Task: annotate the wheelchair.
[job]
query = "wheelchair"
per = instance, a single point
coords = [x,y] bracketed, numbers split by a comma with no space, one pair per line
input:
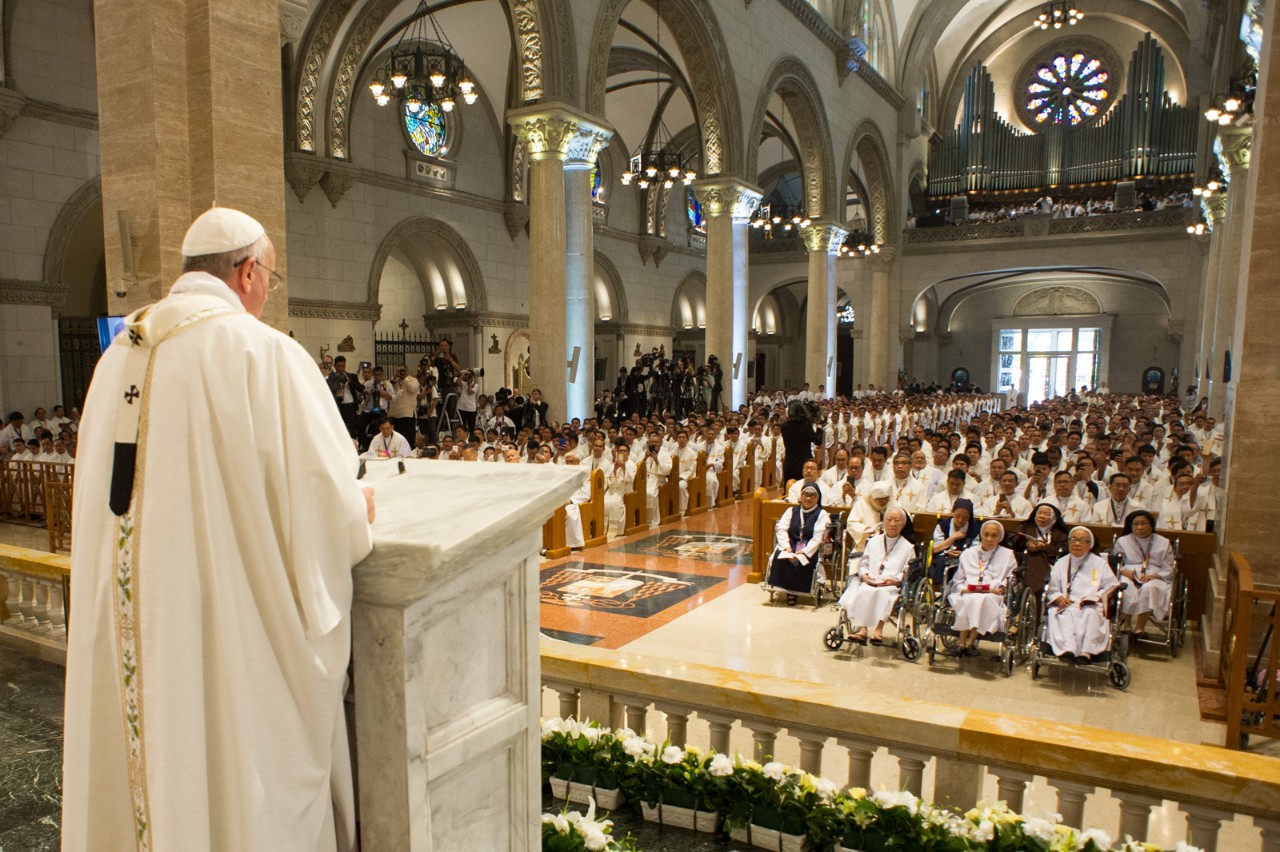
[805,580]
[1113,659]
[903,615]
[937,618]
[1171,633]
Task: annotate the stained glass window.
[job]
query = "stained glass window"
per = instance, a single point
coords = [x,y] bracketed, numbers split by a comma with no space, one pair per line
[1068,89]
[427,130]
[696,220]
[596,183]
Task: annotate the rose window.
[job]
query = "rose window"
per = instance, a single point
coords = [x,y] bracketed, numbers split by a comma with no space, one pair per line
[1070,89]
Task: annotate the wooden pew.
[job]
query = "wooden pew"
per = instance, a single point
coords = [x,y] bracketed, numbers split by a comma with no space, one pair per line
[1195,561]
[636,503]
[669,496]
[769,470]
[724,481]
[594,531]
[593,527]
[698,488]
[747,479]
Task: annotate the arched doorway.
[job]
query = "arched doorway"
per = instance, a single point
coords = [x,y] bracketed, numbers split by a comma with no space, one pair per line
[75,262]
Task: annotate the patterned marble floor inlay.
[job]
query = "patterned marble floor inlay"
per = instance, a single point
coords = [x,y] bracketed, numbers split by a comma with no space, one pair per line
[570,636]
[682,544]
[635,592]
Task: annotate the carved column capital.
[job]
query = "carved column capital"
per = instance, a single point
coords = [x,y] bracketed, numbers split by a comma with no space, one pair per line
[1217,205]
[293,20]
[884,259]
[1237,143]
[823,237]
[11,103]
[560,132]
[721,196]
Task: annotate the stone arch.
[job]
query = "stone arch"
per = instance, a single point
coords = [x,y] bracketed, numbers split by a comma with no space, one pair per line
[1054,301]
[867,144]
[77,228]
[917,187]
[340,35]
[919,41]
[439,235]
[689,306]
[790,311]
[82,202]
[706,57]
[609,278]
[792,80]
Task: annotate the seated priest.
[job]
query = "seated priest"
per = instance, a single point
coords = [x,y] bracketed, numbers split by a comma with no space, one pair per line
[876,578]
[811,476]
[1079,587]
[798,538]
[573,536]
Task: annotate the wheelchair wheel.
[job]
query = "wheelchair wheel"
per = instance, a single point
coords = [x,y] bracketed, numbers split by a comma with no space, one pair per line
[1028,626]
[1175,641]
[933,648]
[1007,662]
[911,649]
[1118,674]
[1035,667]
[833,639]
[1178,612]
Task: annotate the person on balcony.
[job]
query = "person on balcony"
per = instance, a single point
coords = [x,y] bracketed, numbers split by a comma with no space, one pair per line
[1147,573]
[879,573]
[1079,587]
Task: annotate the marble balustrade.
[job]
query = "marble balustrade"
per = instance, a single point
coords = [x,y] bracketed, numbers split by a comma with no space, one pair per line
[34,616]
[1210,785]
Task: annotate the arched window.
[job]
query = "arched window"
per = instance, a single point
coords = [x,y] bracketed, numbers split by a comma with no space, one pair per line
[597,184]
[696,219]
[428,130]
[1068,89]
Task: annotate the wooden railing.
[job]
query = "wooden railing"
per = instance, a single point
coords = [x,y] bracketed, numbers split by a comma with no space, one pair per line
[1253,707]
[1209,784]
[1195,549]
[1039,226]
[36,604]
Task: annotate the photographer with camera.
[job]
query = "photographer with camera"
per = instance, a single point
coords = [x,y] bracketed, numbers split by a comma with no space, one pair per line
[378,394]
[716,376]
[428,405]
[347,392]
[447,368]
[403,406]
[466,389]
[799,433]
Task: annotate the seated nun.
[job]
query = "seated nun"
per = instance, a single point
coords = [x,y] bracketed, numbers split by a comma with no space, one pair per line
[1147,573]
[867,514]
[977,594]
[1043,538]
[798,537]
[952,536]
[1079,586]
[879,574]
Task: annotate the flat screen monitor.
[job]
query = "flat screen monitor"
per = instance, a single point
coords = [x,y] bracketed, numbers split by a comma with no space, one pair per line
[108,328]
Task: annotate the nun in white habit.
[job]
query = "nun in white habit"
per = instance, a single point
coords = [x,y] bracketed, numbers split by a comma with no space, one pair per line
[1078,587]
[977,594]
[880,572]
[1147,573]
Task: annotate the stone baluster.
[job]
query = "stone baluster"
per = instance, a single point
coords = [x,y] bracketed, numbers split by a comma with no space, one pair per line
[811,745]
[27,603]
[1071,797]
[1011,785]
[765,737]
[910,769]
[637,716]
[40,609]
[860,755]
[720,728]
[568,701]
[13,598]
[677,723]
[1270,833]
[57,612]
[1135,813]
[1203,825]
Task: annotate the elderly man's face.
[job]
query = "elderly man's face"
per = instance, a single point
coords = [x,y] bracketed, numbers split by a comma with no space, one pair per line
[811,470]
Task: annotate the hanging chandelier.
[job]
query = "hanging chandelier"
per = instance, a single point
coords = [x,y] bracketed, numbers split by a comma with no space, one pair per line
[658,159]
[423,69]
[1057,14]
[859,244]
[778,219]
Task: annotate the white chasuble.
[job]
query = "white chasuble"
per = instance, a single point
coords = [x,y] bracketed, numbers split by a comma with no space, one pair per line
[210,628]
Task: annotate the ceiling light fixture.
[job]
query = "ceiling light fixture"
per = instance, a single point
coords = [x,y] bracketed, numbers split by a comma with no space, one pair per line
[423,69]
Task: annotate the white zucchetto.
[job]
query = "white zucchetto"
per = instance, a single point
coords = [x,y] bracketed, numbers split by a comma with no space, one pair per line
[219,230]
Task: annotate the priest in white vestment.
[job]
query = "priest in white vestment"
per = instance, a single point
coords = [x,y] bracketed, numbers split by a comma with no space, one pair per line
[210,637]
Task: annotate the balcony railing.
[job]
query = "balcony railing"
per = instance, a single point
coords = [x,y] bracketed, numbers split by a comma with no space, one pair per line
[1040,226]
[1210,785]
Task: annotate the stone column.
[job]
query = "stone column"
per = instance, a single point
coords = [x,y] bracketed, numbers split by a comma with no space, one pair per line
[1217,205]
[728,204]
[823,242]
[1236,144]
[882,334]
[1251,404]
[550,132]
[189,107]
[580,311]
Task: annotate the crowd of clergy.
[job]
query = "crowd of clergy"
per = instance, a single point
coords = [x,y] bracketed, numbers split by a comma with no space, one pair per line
[43,437]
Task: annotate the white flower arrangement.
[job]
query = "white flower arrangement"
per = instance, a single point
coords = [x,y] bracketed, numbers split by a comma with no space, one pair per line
[743,789]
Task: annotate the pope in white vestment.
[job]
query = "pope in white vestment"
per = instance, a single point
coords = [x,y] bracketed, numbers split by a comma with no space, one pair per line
[210,635]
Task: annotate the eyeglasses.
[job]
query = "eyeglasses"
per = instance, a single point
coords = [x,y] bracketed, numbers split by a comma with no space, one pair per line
[274,279]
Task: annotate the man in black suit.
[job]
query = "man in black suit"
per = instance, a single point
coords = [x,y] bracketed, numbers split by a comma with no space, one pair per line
[534,412]
[347,391]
